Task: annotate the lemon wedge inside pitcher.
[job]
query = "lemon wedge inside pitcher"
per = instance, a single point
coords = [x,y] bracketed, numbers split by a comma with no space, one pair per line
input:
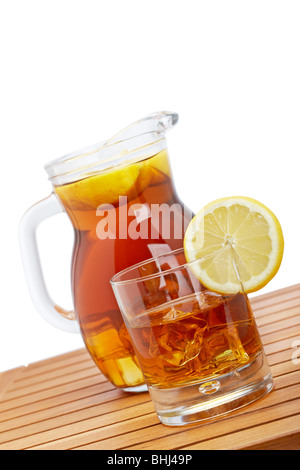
[106,187]
[236,240]
[103,188]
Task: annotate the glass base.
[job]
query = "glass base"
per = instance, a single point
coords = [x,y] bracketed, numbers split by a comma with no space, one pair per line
[138,389]
[214,397]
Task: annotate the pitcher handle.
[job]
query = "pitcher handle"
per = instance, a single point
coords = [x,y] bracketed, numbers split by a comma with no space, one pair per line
[57,316]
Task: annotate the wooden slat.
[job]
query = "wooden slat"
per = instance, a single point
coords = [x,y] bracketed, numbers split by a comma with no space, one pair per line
[7,379]
[137,429]
[90,374]
[64,402]
[265,432]
[285,294]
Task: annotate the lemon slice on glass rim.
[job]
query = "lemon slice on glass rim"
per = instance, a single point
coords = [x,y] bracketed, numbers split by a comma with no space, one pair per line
[238,243]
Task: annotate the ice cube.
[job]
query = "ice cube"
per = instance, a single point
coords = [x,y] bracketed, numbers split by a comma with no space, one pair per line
[178,342]
[222,350]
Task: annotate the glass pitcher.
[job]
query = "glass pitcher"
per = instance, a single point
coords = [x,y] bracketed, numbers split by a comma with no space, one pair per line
[121,200]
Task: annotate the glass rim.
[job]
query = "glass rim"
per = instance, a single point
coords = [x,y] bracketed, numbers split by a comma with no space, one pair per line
[115,282]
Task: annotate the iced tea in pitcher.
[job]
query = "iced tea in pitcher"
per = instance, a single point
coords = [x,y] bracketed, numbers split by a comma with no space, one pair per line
[121,216]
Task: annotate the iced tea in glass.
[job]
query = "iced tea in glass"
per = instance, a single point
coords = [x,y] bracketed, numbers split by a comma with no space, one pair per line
[200,351]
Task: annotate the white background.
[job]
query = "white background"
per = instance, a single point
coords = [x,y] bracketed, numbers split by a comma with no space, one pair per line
[75,72]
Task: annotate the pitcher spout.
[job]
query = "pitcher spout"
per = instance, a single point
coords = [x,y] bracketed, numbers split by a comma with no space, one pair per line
[156,123]
[138,141]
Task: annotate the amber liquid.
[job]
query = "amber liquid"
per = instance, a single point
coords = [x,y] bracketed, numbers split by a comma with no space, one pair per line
[96,260]
[198,337]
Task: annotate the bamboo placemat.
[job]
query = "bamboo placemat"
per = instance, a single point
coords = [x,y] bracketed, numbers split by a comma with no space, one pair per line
[66,403]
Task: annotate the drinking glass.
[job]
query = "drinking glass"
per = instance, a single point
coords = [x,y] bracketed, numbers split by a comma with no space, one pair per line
[199,350]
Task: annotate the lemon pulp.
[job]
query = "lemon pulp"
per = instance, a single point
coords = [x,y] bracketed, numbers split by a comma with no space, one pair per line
[238,244]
